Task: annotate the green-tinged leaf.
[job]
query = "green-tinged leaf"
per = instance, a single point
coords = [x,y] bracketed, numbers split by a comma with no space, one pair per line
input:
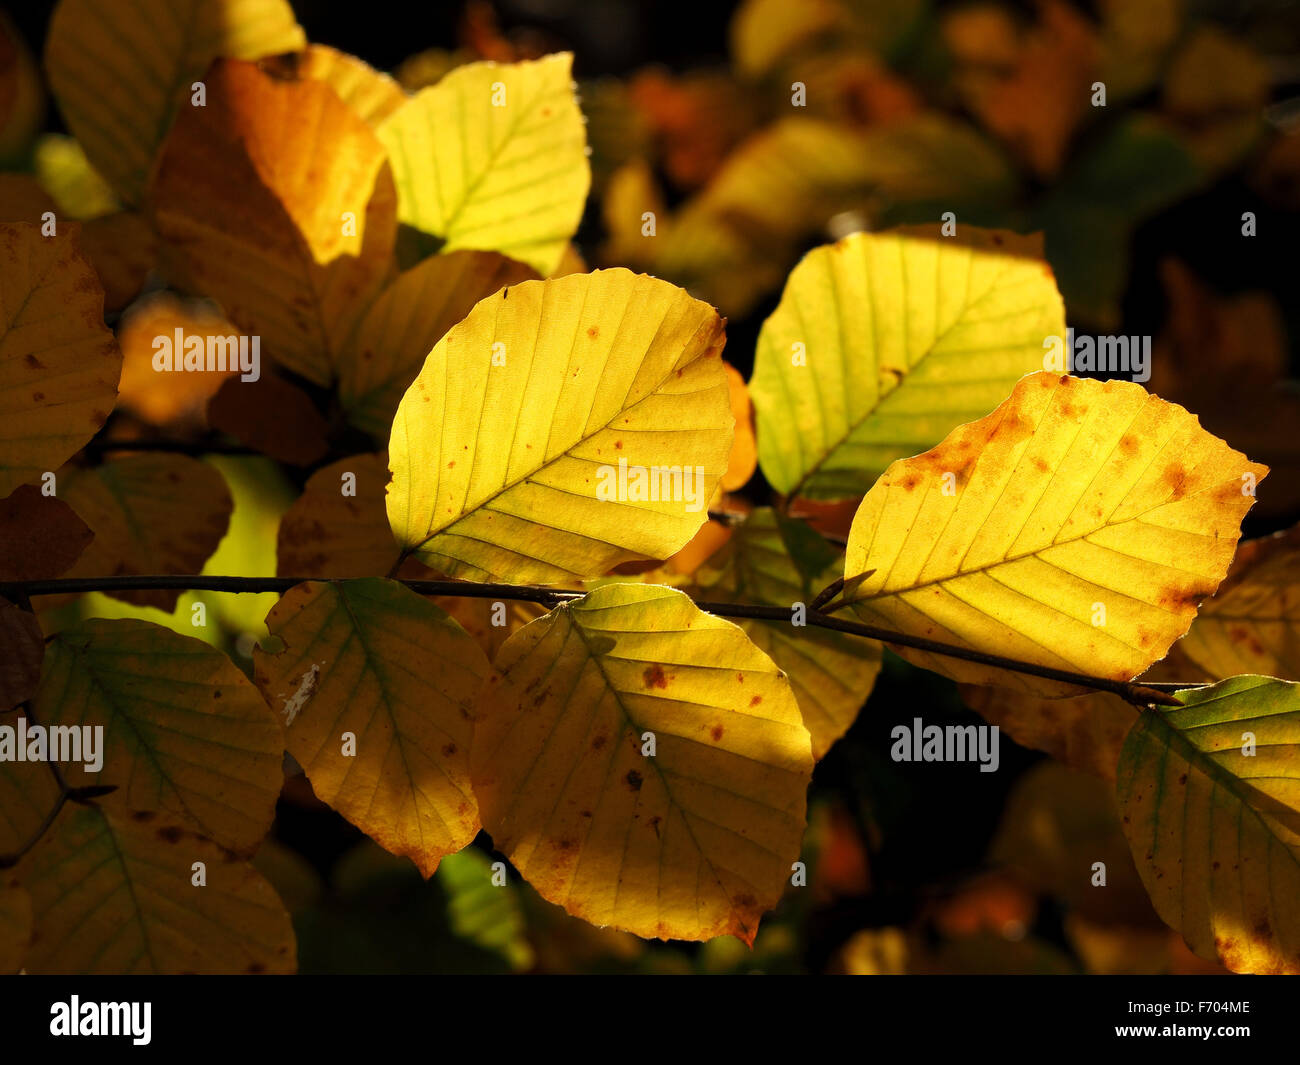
[693,841]
[402,326]
[185,733]
[119,81]
[151,513]
[493,157]
[374,661]
[115,893]
[59,364]
[506,451]
[483,912]
[1076,527]
[1210,796]
[883,343]
[832,673]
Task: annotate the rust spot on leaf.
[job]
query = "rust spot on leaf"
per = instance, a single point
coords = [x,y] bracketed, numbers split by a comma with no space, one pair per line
[633,779]
[716,732]
[654,677]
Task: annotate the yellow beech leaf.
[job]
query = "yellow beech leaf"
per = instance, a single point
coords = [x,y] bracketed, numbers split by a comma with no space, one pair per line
[692,842]
[832,673]
[1252,625]
[15,923]
[114,893]
[276,200]
[1210,797]
[410,316]
[882,343]
[1075,527]
[494,157]
[1085,732]
[59,364]
[185,732]
[150,513]
[371,94]
[539,441]
[373,659]
[119,81]
[744,448]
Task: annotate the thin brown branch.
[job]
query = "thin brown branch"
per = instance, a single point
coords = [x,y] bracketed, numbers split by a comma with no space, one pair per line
[1137,694]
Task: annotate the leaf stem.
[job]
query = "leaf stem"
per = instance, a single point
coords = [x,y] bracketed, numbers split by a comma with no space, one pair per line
[1137,694]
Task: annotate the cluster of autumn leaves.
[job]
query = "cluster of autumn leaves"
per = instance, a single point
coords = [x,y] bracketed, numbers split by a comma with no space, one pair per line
[641,762]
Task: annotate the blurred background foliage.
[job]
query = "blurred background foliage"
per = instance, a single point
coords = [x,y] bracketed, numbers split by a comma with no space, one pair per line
[911,108]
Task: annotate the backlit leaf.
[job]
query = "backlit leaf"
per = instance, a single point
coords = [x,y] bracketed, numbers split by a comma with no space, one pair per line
[119,81]
[371,94]
[882,343]
[832,673]
[402,326]
[113,893]
[373,659]
[276,200]
[1252,625]
[59,365]
[492,157]
[1077,526]
[185,732]
[694,842]
[498,470]
[22,646]
[151,513]
[1214,825]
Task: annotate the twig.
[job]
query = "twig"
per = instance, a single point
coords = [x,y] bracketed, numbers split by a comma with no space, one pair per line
[1137,694]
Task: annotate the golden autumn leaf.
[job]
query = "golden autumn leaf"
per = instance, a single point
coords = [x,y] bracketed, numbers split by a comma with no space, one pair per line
[743,460]
[119,82]
[151,513]
[832,673]
[389,344]
[59,364]
[185,735]
[882,343]
[124,882]
[1076,527]
[493,157]
[161,398]
[276,200]
[1252,625]
[373,659]
[372,95]
[693,842]
[513,451]
[1210,797]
